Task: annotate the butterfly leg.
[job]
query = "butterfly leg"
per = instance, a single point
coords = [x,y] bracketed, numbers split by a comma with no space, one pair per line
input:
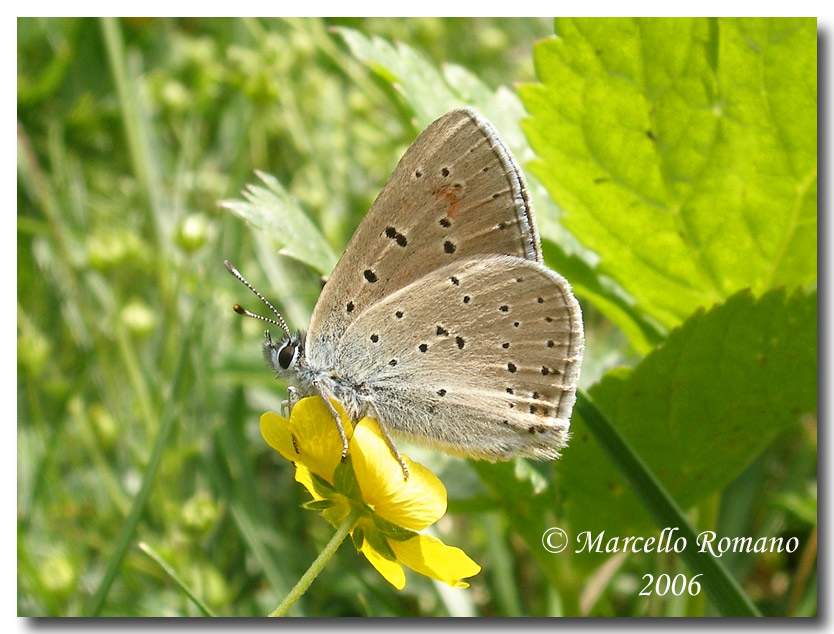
[390,444]
[336,417]
[293,396]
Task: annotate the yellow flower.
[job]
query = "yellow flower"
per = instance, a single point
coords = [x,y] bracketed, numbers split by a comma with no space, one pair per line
[371,480]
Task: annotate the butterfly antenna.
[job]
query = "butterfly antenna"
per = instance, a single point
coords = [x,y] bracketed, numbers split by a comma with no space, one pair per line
[242,311]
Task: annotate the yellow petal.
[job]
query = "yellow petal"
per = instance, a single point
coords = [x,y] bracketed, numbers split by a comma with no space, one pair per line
[303,476]
[391,570]
[316,435]
[276,432]
[433,558]
[414,503]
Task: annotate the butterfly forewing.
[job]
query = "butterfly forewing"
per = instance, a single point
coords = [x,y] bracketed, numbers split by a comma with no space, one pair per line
[455,194]
[484,351]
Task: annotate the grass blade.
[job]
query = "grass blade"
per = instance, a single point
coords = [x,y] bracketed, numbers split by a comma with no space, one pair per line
[177,579]
[720,586]
[141,498]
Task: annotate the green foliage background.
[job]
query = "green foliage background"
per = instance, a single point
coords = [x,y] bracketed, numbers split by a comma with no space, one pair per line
[672,164]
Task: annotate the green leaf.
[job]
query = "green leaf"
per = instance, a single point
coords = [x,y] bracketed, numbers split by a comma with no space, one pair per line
[322,486]
[802,507]
[429,92]
[516,479]
[421,85]
[379,544]
[606,295]
[318,505]
[683,152]
[698,409]
[358,537]
[344,479]
[271,209]
[391,530]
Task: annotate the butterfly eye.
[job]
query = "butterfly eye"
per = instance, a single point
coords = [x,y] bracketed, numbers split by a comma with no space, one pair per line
[286,356]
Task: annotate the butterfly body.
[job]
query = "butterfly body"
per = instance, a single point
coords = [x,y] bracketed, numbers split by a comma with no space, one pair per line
[440,320]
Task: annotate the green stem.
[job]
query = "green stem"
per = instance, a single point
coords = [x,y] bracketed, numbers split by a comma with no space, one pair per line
[719,584]
[317,566]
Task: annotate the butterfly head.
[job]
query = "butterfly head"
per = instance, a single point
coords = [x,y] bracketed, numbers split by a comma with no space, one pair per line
[283,356]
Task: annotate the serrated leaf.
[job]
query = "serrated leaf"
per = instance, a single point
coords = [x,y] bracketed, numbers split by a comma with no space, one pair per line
[698,409]
[421,85]
[429,93]
[272,210]
[683,152]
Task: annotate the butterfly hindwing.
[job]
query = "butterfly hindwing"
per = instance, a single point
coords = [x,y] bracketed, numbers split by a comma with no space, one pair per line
[484,352]
[455,194]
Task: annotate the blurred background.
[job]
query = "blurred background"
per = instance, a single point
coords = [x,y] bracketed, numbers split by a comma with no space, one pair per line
[130,359]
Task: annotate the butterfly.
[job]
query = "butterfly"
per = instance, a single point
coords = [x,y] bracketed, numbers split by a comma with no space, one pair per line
[441,320]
